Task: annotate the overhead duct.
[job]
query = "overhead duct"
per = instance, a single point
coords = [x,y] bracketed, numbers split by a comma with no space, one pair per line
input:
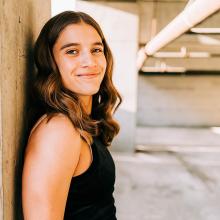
[193,14]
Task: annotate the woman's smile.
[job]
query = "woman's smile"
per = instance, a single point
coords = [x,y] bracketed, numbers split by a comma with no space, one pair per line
[88,75]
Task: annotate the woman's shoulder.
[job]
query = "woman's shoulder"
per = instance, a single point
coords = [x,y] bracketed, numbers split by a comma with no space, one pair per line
[52,122]
[57,123]
[53,133]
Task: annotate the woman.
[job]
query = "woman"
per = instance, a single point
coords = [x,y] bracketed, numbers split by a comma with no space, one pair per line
[68,171]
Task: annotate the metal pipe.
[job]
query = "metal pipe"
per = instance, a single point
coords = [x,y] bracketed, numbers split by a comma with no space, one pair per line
[189,17]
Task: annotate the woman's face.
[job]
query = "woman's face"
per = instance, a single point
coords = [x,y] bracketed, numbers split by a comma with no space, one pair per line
[79,55]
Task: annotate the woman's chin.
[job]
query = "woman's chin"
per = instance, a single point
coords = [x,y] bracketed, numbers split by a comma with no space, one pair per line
[90,92]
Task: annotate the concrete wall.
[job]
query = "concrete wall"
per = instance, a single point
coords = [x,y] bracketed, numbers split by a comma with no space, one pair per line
[178,101]
[120,24]
[20,23]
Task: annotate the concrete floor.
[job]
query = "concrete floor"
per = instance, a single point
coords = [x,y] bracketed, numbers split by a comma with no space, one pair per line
[170,180]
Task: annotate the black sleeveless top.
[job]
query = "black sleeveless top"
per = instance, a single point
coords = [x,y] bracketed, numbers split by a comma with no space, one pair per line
[90,194]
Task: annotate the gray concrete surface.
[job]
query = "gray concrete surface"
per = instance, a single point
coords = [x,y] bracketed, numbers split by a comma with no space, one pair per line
[168,183]
[178,100]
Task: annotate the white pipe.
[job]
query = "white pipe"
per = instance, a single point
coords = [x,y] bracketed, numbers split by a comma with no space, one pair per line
[205,30]
[189,17]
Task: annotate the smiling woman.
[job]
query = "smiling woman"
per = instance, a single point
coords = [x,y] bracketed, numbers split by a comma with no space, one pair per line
[68,171]
[79,54]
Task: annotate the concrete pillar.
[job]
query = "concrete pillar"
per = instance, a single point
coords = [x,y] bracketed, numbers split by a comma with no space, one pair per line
[20,22]
[120,24]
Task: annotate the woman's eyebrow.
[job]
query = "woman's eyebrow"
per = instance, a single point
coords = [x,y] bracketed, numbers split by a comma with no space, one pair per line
[69,45]
[98,43]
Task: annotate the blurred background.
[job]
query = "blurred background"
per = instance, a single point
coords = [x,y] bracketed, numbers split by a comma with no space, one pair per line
[167,154]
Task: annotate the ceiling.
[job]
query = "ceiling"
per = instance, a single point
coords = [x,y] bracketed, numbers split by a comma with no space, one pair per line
[194,51]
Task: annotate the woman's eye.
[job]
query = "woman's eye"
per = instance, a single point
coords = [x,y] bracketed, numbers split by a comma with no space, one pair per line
[73,52]
[97,50]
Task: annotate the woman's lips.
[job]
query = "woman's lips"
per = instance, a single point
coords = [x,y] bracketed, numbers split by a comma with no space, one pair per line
[88,75]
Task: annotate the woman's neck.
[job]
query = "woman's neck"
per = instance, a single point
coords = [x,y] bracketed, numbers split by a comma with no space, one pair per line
[86,103]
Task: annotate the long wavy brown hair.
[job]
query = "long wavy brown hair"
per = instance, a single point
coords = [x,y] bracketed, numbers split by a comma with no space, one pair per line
[51,97]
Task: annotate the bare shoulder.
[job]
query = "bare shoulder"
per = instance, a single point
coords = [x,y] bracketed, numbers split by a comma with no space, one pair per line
[55,139]
[56,123]
[57,129]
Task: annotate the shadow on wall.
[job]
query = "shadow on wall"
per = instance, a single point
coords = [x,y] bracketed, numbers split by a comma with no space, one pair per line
[28,76]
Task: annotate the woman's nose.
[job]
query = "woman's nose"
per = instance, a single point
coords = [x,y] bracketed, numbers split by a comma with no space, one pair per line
[87,59]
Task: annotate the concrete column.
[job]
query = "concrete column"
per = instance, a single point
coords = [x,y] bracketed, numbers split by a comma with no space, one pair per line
[20,22]
[120,24]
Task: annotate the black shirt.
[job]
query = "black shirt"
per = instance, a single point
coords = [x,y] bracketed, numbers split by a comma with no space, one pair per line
[90,194]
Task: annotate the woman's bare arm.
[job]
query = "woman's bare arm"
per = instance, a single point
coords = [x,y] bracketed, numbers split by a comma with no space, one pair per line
[51,157]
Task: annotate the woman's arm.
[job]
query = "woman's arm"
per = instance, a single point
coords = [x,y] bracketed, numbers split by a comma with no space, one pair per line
[51,157]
